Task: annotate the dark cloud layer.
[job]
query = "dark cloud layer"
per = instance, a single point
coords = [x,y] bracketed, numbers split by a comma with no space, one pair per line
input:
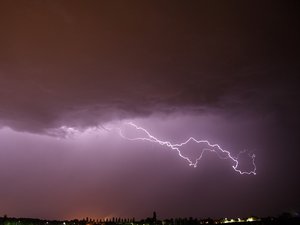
[84,62]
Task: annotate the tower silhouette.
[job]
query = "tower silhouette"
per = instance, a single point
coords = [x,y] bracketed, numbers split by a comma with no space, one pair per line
[154,217]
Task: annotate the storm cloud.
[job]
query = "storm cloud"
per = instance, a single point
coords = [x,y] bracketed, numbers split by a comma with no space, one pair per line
[83,63]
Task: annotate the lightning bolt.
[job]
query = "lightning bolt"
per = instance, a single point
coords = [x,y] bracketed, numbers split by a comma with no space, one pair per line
[71,132]
[177,147]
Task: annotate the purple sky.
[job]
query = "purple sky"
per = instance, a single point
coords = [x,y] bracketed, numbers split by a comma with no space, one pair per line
[224,71]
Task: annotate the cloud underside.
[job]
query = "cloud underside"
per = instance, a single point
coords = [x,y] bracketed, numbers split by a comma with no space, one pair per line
[84,65]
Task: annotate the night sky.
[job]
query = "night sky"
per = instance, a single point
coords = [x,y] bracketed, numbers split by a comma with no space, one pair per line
[72,73]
